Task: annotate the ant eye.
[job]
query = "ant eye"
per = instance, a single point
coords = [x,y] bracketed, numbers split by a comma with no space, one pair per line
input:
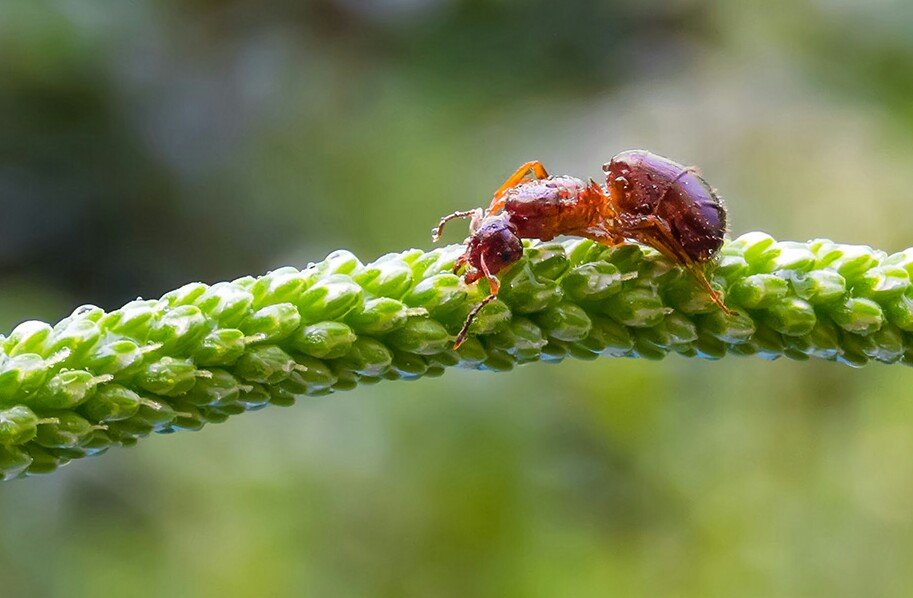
[623,182]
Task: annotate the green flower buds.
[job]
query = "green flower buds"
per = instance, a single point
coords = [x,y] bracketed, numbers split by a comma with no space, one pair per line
[186,295]
[756,248]
[522,339]
[381,315]
[883,283]
[65,430]
[280,286]
[565,322]
[314,376]
[168,376]
[112,402]
[221,347]
[819,287]
[18,425]
[132,320]
[330,298]
[338,262]
[265,364]
[226,303]
[117,356]
[759,290]
[219,388]
[272,323]
[252,397]
[525,292]
[74,338]
[850,261]
[22,375]
[13,462]
[154,414]
[389,276]
[792,257]
[734,329]
[179,329]
[791,316]
[594,282]
[687,296]
[900,312]
[67,390]
[439,294]
[203,353]
[607,337]
[859,315]
[325,340]
[28,337]
[420,336]
[549,260]
[367,357]
[637,307]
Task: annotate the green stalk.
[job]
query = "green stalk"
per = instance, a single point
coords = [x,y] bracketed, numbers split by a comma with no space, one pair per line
[203,353]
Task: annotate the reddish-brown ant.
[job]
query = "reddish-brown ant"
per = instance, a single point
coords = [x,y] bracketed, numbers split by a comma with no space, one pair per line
[647,198]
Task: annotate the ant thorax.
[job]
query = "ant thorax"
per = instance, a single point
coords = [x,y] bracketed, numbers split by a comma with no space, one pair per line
[546,208]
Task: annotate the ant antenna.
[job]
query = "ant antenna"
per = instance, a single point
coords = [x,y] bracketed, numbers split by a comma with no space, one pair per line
[439,229]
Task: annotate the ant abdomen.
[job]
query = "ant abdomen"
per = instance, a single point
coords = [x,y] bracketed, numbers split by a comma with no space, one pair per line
[656,198]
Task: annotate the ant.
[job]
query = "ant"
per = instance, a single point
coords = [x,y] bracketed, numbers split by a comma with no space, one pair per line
[647,198]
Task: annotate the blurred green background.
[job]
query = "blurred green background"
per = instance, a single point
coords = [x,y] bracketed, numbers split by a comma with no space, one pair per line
[149,143]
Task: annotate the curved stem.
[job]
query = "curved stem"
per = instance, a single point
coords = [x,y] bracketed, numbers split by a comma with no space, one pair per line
[205,352]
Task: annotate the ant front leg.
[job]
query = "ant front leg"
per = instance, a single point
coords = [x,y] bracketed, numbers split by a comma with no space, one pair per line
[495,286]
[436,232]
[532,170]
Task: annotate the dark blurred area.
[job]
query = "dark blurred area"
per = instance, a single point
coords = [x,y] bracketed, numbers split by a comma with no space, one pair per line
[149,143]
[165,141]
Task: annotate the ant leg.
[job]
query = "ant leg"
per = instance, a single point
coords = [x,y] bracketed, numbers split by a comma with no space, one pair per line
[601,236]
[460,262]
[669,247]
[493,283]
[666,244]
[495,286]
[532,168]
[701,277]
[439,229]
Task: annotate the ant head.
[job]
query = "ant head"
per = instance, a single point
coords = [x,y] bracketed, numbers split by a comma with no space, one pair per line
[495,241]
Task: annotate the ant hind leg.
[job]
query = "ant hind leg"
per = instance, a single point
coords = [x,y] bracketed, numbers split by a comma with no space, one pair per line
[670,248]
[532,170]
[702,279]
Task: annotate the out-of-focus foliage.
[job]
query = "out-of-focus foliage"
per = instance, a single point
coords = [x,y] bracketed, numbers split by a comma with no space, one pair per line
[145,144]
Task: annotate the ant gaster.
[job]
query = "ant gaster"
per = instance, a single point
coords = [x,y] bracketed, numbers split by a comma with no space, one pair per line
[646,198]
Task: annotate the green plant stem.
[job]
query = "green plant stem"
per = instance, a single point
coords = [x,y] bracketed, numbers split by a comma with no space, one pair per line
[203,353]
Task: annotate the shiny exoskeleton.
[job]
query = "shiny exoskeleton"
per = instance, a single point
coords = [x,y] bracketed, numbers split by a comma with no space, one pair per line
[646,198]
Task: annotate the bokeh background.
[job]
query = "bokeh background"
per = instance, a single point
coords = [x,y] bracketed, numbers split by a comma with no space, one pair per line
[149,143]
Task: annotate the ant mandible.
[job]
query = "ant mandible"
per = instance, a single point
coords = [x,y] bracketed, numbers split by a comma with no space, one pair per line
[647,198]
